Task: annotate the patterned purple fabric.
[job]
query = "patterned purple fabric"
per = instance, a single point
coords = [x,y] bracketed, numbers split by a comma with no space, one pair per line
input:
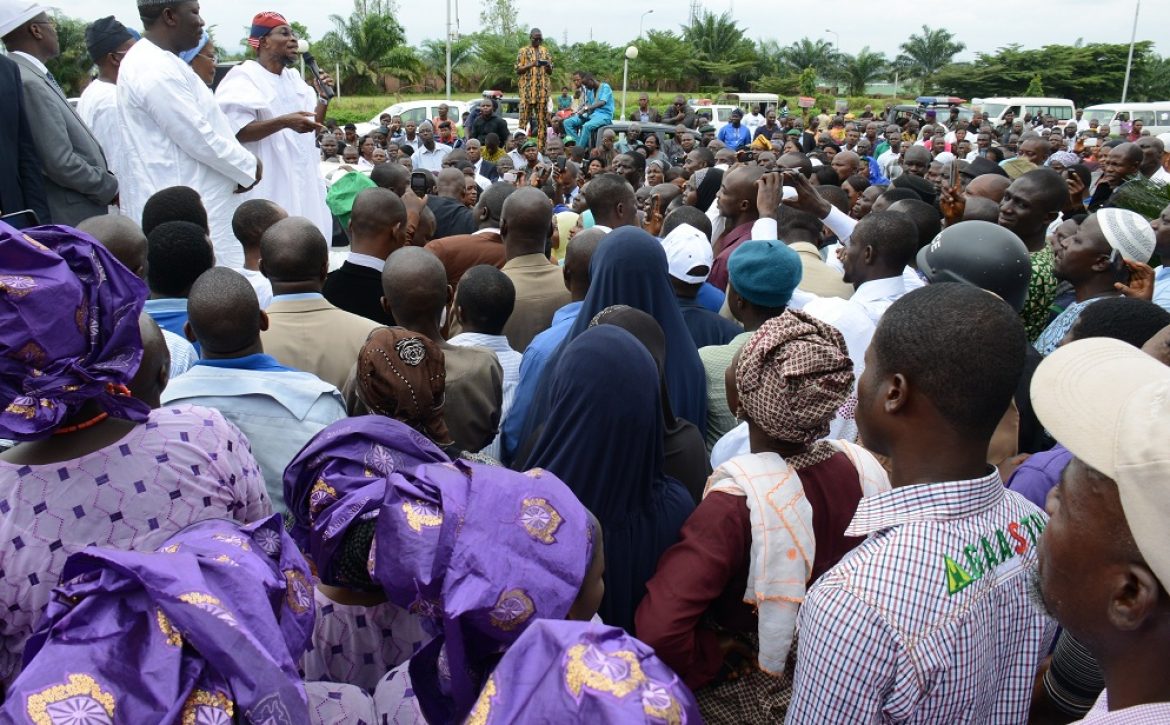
[559,671]
[214,621]
[484,551]
[70,330]
[340,476]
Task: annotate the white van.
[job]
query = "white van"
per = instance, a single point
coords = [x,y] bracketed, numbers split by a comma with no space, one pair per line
[1154,116]
[751,101]
[1060,109]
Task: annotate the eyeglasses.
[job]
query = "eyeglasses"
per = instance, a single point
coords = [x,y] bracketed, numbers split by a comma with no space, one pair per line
[213,58]
[51,22]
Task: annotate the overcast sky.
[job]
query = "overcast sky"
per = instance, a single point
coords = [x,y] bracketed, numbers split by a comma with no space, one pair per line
[880,25]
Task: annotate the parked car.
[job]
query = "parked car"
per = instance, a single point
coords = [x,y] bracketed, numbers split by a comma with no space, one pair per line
[941,106]
[417,111]
[717,114]
[1060,109]
[664,132]
[1155,117]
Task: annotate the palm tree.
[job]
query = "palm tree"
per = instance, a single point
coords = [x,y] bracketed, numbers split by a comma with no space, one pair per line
[720,49]
[807,53]
[858,71]
[923,55]
[369,45]
[464,74]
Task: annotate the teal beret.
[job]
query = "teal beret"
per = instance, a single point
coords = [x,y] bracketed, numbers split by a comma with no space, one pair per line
[764,272]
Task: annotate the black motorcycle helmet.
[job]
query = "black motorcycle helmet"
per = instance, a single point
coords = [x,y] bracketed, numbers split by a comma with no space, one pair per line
[981,254]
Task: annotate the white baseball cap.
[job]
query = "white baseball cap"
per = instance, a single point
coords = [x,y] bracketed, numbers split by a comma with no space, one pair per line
[14,13]
[687,248]
[1109,404]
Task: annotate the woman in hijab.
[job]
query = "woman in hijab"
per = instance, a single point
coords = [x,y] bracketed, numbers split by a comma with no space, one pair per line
[683,447]
[721,609]
[92,463]
[604,438]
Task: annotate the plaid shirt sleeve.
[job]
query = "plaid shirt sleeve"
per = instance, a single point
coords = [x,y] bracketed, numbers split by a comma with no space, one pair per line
[847,661]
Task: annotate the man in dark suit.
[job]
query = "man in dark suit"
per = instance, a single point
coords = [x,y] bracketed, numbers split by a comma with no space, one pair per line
[644,113]
[451,215]
[377,227]
[20,169]
[78,182]
[483,167]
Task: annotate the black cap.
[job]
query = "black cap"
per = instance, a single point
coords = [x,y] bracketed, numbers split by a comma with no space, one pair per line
[980,254]
[105,35]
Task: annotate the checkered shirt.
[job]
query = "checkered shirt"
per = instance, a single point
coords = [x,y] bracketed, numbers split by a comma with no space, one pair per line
[1156,713]
[931,619]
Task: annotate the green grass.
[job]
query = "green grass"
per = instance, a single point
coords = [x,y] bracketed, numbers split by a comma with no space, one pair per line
[358,109]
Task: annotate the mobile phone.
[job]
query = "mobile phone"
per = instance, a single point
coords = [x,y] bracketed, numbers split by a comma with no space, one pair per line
[510,177]
[955,173]
[21,219]
[419,181]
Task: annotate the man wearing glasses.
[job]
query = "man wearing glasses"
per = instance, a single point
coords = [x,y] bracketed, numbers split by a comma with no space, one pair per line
[78,181]
[107,41]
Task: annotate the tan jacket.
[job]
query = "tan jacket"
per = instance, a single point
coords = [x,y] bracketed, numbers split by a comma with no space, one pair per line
[818,277]
[316,337]
[540,292]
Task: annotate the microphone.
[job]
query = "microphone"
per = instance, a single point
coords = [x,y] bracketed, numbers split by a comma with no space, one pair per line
[327,91]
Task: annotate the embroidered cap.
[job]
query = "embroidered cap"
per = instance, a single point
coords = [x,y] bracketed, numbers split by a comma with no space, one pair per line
[1101,398]
[687,248]
[1128,232]
[15,13]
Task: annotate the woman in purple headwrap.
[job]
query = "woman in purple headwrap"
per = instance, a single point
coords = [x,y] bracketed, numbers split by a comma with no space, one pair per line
[207,629]
[481,553]
[93,465]
[580,672]
[721,609]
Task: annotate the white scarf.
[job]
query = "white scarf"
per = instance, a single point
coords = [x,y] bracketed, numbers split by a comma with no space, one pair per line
[783,543]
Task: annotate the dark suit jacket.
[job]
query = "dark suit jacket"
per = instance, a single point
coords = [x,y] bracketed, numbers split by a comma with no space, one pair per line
[655,116]
[20,168]
[451,216]
[489,171]
[357,290]
[78,183]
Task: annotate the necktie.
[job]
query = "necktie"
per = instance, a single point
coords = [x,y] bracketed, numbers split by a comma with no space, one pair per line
[53,83]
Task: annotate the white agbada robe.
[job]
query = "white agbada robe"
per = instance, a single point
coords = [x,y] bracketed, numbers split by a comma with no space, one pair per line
[98,107]
[250,93]
[174,134]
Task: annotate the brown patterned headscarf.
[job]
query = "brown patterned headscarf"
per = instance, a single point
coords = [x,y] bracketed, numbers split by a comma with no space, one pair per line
[793,375]
[401,375]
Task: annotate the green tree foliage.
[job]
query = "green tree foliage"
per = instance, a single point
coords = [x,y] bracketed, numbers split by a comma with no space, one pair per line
[497,58]
[807,53]
[662,60]
[1035,86]
[369,45]
[465,71]
[924,55]
[73,64]
[806,82]
[500,17]
[601,59]
[1088,74]
[721,55]
[858,71]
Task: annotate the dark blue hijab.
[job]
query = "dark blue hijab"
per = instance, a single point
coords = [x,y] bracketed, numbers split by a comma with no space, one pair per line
[604,439]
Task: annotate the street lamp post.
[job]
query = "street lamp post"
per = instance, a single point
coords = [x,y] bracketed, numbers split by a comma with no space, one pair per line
[640,21]
[1129,60]
[448,50]
[837,53]
[631,53]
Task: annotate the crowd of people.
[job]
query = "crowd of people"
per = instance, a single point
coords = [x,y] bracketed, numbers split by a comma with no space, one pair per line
[811,420]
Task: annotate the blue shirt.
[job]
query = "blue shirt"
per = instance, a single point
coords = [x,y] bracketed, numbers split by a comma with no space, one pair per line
[170,313]
[1162,287]
[710,297]
[604,94]
[735,137]
[531,369]
[259,362]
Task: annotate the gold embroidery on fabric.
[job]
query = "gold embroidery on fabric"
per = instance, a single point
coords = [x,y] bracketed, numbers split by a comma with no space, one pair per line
[540,519]
[298,593]
[164,623]
[209,604]
[16,285]
[483,706]
[31,354]
[78,700]
[513,608]
[580,674]
[658,703]
[202,706]
[420,513]
[234,540]
[169,549]
[321,495]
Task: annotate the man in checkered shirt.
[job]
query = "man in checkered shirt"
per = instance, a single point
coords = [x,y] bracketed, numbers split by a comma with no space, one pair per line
[932,618]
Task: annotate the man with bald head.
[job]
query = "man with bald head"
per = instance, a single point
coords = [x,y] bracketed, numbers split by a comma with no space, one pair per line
[1152,151]
[526,225]
[279,409]
[451,215]
[249,223]
[416,294]
[125,240]
[305,331]
[736,202]
[1121,164]
[377,227]
[916,161]
[989,186]
[846,164]
[461,252]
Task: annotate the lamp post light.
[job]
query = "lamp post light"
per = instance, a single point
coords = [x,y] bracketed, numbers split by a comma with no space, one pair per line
[837,53]
[631,53]
[641,20]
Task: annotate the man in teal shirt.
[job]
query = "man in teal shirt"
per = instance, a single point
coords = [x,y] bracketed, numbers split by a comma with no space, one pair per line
[596,110]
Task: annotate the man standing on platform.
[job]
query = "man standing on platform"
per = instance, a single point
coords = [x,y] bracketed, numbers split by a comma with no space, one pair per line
[173,132]
[275,114]
[534,66]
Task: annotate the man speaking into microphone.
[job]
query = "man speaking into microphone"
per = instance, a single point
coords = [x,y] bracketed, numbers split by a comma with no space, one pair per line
[276,115]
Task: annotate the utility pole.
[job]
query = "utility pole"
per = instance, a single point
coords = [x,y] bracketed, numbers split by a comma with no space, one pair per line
[448,50]
[1129,61]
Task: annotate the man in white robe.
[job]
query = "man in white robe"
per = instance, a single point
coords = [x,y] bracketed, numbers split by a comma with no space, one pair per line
[275,114]
[173,133]
[107,41]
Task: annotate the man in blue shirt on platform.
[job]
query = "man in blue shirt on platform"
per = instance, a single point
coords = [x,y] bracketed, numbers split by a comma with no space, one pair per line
[596,110]
[279,409]
[734,134]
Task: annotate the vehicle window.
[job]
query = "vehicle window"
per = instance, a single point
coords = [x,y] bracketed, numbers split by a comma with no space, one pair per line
[1146,117]
[1163,118]
[1060,113]
[994,110]
[1102,115]
[724,114]
[418,115]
